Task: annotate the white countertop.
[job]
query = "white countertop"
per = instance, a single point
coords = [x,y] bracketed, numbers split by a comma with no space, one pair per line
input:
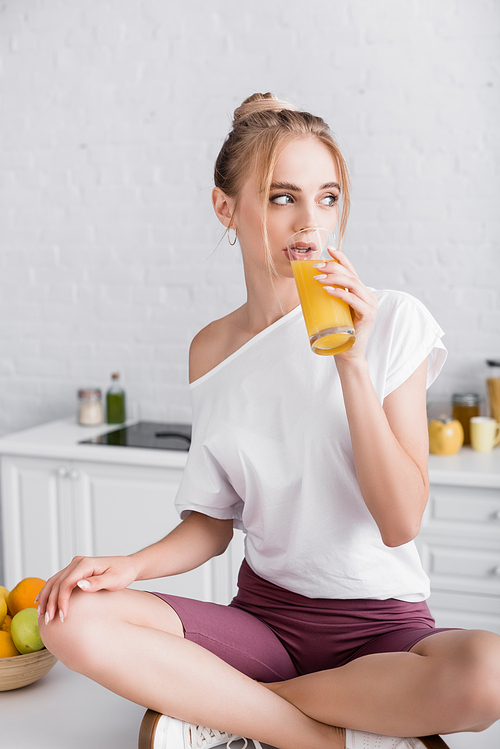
[60,439]
[466,468]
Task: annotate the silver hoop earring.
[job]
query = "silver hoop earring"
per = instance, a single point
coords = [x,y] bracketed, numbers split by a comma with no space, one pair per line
[229,237]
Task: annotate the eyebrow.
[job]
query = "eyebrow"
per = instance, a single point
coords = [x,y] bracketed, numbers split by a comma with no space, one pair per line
[295,188]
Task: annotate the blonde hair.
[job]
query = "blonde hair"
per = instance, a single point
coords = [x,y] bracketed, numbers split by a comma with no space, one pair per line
[262,126]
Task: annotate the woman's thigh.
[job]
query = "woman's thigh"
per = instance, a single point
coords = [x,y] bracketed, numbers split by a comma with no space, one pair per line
[97,614]
[237,637]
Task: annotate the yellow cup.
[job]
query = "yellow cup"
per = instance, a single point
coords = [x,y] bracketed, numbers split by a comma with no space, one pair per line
[484,433]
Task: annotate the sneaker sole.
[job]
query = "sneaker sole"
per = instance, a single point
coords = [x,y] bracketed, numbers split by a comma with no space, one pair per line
[431,742]
[148,728]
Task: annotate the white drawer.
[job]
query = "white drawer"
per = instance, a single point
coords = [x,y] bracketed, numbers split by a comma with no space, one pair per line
[465,611]
[456,508]
[455,564]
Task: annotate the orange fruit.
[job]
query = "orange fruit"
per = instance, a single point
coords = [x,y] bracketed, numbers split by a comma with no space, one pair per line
[7,647]
[24,594]
[6,624]
[3,610]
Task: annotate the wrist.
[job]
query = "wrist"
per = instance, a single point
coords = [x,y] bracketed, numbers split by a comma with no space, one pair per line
[138,566]
[351,366]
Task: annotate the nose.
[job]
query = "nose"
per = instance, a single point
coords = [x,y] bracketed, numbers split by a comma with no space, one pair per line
[306,217]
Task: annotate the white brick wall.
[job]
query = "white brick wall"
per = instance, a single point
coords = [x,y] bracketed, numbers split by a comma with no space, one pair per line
[111,115]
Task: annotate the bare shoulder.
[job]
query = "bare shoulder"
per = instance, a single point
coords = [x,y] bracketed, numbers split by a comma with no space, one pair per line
[213,344]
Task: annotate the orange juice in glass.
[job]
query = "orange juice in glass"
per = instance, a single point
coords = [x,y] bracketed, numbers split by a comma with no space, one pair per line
[328,320]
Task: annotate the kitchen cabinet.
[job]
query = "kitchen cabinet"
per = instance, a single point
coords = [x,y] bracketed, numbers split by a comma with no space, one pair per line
[61,499]
[459,541]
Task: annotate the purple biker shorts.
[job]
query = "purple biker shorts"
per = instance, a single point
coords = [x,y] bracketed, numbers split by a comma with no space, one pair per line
[271,634]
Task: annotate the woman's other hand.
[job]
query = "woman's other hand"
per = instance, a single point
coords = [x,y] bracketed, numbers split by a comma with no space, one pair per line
[89,574]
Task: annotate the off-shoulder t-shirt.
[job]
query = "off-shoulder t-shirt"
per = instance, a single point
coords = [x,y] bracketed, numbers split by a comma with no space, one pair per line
[271,450]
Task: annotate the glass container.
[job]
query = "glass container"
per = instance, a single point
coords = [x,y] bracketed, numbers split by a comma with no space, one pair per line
[465,406]
[90,407]
[493,382]
[115,401]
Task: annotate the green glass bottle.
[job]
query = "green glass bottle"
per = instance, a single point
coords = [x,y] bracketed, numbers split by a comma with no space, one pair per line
[115,401]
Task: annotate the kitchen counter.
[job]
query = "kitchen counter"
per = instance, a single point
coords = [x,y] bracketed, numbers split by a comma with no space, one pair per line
[60,439]
[466,468]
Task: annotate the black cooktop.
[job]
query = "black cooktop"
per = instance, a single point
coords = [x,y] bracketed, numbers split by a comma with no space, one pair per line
[146,434]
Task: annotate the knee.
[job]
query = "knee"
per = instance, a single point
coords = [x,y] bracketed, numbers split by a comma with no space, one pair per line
[70,640]
[479,674]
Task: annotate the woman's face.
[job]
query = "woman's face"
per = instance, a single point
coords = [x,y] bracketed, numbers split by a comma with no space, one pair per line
[304,192]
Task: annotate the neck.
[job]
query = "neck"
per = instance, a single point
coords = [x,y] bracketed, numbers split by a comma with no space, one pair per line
[269,298]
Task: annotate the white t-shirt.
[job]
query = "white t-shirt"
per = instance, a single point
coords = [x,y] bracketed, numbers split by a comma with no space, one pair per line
[271,449]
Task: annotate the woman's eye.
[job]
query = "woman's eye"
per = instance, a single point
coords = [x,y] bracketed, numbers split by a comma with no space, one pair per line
[330,200]
[281,199]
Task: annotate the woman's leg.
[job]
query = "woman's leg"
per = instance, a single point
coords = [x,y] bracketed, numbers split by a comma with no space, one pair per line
[448,682]
[132,643]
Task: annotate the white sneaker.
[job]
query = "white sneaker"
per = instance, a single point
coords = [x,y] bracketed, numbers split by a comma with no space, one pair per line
[365,740]
[162,732]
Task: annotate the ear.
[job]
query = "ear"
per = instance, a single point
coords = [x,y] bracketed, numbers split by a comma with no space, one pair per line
[223,207]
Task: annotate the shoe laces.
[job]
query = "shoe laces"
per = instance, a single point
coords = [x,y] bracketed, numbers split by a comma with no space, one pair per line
[204,738]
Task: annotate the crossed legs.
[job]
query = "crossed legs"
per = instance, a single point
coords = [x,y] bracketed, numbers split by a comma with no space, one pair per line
[132,643]
[448,682]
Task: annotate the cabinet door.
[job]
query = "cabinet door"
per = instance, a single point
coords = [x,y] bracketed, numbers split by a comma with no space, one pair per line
[120,509]
[465,611]
[36,518]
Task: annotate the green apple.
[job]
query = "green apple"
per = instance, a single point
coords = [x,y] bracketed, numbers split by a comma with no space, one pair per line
[25,632]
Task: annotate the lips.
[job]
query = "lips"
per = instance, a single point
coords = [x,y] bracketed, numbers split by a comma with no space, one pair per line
[301,250]
[303,247]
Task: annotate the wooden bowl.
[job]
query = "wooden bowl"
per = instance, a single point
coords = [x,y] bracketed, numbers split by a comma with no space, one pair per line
[20,670]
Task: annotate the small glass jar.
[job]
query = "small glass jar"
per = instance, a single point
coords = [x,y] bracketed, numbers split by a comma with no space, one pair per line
[465,406]
[90,407]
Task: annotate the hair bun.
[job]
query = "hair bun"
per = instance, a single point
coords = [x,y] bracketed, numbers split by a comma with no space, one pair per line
[260,103]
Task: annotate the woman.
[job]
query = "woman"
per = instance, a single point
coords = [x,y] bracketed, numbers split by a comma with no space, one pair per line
[323,461]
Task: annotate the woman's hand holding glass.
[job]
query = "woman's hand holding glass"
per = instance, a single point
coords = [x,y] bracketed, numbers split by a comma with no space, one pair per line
[340,280]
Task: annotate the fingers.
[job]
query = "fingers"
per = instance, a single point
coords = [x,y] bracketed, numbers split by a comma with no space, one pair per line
[339,264]
[336,278]
[340,280]
[341,258]
[87,573]
[54,597]
[341,273]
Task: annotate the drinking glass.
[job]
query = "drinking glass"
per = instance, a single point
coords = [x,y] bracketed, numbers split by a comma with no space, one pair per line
[328,320]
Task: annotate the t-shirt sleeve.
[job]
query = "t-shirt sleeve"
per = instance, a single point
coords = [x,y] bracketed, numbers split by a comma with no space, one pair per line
[205,487]
[409,334]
